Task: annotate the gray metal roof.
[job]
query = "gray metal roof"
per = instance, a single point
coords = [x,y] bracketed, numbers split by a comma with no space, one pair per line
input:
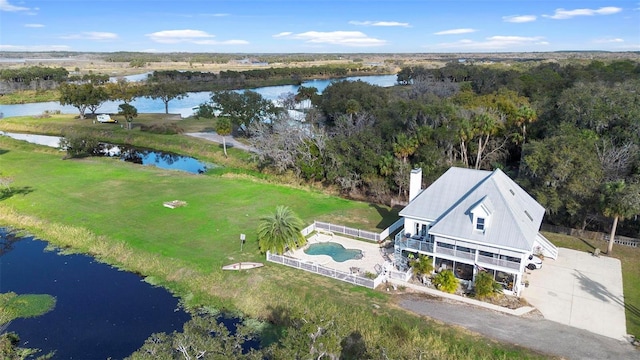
[515,216]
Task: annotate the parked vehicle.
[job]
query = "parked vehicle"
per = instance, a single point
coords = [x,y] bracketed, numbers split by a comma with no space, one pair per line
[534,262]
[105,118]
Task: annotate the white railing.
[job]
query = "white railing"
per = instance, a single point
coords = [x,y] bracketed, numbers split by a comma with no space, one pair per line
[547,248]
[499,262]
[395,226]
[326,271]
[400,275]
[341,229]
[415,244]
[357,233]
[308,230]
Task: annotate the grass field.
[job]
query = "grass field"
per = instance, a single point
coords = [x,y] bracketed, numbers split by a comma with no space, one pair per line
[113,210]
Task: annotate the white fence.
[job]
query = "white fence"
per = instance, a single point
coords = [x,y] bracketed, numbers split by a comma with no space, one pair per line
[400,275]
[325,271]
[362,234]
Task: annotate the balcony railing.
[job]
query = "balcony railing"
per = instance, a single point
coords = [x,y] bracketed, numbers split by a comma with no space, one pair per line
[415,245]
[499,262]
[427,247]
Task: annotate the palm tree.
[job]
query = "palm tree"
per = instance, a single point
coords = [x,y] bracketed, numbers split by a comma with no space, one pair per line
[405,146]
[620,201]
[280,231]
[223,128]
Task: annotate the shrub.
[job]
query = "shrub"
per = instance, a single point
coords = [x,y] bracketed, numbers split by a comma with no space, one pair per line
[163,129]
[446,281]
[423,265]
[79,145]
[486,285]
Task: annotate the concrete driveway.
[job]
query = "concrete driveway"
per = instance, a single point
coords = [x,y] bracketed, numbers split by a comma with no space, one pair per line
[580,290]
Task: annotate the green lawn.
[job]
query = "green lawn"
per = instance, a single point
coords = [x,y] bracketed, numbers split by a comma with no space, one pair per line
[114,211]
[630,259]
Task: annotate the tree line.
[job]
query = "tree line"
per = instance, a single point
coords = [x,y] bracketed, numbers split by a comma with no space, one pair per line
[568,134]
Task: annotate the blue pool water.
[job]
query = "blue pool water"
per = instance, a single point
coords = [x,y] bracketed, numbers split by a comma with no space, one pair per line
[337,252]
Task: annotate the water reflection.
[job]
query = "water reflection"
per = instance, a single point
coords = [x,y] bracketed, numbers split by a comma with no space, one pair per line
[160,159]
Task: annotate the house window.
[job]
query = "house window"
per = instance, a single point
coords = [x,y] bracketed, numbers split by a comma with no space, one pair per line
[480,224]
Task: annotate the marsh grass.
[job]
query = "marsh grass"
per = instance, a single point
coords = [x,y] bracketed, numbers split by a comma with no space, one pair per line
[113,211]
[14,306]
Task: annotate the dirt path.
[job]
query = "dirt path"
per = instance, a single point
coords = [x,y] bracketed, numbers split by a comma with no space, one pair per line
[541,335]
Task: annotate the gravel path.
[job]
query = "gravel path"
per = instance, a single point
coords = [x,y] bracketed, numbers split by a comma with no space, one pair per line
[532,332]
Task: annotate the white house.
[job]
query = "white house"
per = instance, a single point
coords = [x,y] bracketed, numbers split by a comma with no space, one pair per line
[473,220]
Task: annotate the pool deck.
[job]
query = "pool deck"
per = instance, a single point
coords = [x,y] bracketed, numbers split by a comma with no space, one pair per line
[372,254]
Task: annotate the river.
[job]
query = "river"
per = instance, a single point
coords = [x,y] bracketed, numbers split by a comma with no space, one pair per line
[185,106]
[100,312]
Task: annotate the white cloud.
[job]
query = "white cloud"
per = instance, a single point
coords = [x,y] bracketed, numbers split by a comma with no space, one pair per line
[283,34]
[519,18]
[178,36]
[5,6]
[33,25]
[608,40]
[498,42]
[91,35]
[197,37]
[34,48]
[379,23]
[344,38]
[455,32]
[561,14]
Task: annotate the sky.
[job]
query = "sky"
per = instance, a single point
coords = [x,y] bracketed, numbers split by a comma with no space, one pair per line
[319,26]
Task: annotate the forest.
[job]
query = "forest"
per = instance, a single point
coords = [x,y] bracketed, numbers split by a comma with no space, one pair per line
[568,134]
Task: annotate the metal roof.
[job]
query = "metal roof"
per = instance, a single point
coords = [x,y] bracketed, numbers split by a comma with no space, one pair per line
[515,216]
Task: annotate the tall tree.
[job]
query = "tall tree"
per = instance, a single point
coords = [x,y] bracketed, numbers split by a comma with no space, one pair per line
[306,95]
[223,128]
[619,200]
[242,108]
[486,125]
[166,91]
[83,97]
[121,90]
[405,146]
[280,231]
[563,174]
[129,112]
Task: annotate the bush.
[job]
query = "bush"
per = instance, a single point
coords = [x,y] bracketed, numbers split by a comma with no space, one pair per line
[79,145]
[486,285]
[423,265]
[446,281]
[163,129]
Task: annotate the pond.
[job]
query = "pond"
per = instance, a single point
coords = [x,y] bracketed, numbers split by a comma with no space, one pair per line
[337,252]
[100,312]
[159,159]
[185,106]
[132,154]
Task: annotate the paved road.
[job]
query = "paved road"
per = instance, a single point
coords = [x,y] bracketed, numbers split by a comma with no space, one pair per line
[532,332]
[212,136]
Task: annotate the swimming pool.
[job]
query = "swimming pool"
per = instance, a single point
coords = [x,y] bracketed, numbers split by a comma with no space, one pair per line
[337,252]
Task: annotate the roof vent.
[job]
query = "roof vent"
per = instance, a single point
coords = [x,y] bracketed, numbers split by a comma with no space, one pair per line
[528,215]
[512,193]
